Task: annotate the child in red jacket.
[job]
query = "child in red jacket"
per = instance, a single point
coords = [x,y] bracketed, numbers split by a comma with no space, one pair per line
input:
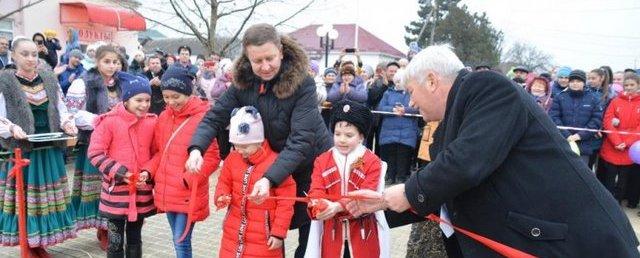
[623,114]
[346,167]
[120,146]
[249,229]
[182,194]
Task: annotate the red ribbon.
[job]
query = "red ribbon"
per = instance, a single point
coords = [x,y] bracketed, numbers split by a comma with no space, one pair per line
[500,248]
[133,188]
[21,203]
[192,208]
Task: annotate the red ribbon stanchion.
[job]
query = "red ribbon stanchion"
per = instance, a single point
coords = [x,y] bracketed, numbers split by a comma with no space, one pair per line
[21,204]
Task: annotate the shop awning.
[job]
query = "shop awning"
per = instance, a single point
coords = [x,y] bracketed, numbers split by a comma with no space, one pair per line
[120,18]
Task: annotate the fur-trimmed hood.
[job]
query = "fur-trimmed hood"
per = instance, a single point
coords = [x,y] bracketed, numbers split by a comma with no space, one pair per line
[292,72]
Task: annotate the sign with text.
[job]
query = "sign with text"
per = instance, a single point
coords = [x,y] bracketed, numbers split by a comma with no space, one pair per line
[93,35]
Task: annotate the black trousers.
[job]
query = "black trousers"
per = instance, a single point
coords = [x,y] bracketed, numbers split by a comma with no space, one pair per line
[398,157]
[615,178]
[633,186]
[116,233]
[303,238]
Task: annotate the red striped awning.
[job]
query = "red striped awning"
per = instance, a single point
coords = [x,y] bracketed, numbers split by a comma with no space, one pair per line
[119,18]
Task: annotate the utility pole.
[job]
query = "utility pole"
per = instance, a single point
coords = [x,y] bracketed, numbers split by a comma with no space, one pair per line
[433,27]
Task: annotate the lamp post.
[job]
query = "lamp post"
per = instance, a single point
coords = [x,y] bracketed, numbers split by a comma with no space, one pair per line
[326,32]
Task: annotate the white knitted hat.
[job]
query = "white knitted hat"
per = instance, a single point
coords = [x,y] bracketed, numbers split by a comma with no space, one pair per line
[246,126]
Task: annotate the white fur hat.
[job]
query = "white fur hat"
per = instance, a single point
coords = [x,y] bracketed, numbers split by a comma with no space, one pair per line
[246,126]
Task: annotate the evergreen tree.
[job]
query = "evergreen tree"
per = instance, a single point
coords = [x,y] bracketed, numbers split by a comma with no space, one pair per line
[474,39]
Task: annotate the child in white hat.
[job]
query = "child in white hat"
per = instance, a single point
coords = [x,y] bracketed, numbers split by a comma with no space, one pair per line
[250,229]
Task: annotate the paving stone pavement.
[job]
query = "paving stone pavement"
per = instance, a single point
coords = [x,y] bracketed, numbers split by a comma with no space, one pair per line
[156,238]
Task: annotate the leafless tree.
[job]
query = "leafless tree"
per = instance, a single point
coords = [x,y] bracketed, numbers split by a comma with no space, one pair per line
[19,9]
[529,56]
[202,18]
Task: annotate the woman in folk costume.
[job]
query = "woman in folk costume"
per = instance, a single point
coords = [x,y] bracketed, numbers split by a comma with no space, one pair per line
[346,167]
[121,145]
[183,195]
[94,93]
[251,230]
[31,103]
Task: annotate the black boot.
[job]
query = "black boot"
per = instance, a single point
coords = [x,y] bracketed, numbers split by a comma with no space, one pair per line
[134,251]
[115,254]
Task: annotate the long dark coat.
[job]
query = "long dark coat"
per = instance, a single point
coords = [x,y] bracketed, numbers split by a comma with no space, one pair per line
[505,172]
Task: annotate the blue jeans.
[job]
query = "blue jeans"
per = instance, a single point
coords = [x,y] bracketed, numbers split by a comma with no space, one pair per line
[177,222]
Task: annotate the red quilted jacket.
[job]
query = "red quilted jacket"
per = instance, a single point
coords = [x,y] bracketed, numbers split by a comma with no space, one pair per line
[626,109]
[246,220]
[121,143]
[173,184]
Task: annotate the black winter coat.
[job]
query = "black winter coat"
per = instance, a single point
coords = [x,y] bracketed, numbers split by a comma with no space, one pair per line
[292,123]
[157,101]
[505,172]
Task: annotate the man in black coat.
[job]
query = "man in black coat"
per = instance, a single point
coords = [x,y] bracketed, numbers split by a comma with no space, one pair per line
[501,169]
[154,74]
[271,75]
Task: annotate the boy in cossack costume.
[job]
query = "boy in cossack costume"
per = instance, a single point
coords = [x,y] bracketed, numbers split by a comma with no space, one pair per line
[348,166]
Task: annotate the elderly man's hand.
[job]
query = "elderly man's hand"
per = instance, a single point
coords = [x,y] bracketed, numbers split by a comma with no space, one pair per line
[371,201]
[395,199]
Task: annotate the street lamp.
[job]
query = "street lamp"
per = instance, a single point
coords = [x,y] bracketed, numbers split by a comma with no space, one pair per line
[326,32]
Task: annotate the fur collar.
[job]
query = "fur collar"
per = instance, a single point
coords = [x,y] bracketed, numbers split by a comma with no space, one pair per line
[293,70]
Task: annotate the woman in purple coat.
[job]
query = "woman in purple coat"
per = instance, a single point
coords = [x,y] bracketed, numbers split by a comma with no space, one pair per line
[348,88]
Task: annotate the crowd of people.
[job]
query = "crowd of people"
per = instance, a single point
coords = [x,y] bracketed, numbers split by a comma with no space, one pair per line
[283,127]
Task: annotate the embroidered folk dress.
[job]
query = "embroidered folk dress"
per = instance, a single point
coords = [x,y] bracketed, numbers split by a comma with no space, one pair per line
[49,213]
[87,179]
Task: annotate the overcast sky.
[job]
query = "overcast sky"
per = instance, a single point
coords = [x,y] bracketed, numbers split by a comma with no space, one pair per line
[580,33]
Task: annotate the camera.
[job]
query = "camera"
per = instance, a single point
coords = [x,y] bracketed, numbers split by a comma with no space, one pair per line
[349,50]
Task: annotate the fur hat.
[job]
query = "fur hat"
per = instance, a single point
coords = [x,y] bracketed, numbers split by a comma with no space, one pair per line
[347,70]
[246,126]
[354,113]
[132,85]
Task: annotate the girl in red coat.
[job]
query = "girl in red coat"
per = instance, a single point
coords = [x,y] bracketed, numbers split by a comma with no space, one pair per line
[183,195]
[348,166]
[120,146]
[622,114]
[249,229]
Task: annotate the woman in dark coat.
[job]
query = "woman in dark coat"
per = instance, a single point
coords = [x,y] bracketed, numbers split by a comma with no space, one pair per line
[271,75]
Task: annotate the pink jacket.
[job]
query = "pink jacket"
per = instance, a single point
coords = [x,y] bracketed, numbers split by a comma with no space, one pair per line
[121,142]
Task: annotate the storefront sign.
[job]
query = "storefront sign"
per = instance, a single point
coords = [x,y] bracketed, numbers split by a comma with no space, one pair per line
[92,35]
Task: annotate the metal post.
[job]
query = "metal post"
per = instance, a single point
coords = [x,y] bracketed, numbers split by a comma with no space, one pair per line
[326,50]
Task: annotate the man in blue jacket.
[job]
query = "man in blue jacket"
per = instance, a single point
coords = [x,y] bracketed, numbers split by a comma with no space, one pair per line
[70,71]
